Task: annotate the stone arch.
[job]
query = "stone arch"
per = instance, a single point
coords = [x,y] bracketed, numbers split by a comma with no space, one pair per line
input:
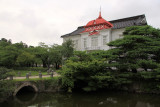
[25,85]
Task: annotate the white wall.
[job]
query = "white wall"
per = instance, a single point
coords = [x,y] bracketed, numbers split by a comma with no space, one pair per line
[112,34]
[105,32]
[74,38]
[116,33]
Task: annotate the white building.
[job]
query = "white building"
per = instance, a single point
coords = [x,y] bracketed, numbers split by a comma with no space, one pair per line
[97,33]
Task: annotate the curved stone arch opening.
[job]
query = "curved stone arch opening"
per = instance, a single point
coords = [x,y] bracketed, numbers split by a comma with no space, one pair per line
[26,84]
[26,102]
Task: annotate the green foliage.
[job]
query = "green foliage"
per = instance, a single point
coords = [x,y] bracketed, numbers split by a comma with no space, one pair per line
[135,56]
[4,73]
[55,55]
[91,71]
[39,69]
[142,30]
[85,71]
[22,55]
[138,49]
[8,56]
[12,73]
[6,89]
[147,64]
[42,53]
[24,59]
[67,49]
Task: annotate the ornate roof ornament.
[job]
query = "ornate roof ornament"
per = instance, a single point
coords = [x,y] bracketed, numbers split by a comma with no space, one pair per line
[97,24]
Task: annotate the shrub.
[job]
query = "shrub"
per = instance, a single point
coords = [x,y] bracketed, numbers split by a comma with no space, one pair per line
[4,73]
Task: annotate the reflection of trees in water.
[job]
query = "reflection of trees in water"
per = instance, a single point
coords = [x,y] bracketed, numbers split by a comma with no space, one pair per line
[108,99]
[113,100]
[102,100]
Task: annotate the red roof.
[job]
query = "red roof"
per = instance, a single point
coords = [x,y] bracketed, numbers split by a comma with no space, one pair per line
[99,21]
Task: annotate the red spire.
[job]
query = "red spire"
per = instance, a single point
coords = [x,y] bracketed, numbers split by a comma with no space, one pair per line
[100,15]
[98,24]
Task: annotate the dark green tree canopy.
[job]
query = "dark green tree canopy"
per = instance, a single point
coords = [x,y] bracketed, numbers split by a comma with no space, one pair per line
[68,49]
[140,44]
[135,55]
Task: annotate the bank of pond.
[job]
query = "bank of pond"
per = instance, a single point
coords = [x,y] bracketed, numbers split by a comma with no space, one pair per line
[83,99]
[47,91]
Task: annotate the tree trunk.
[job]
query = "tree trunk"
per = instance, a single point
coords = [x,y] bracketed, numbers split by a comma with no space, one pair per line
[57,65]
[44,65]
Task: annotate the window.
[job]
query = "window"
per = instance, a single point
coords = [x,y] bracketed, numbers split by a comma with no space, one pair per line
[85,42]
[104,40]
[94,41]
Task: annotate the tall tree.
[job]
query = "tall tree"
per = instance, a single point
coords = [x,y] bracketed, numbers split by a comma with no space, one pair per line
[42,52]
[67,48]
[86,71]
[8,56]
[138,48]
[55,55]
[25,59]
[4,42]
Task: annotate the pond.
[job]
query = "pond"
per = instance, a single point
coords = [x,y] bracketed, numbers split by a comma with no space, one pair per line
[96,99]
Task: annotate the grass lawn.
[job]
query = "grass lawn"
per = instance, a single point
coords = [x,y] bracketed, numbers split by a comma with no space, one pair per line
[33,73]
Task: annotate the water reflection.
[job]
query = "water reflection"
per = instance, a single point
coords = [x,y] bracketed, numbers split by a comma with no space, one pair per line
[26,98]
[101,99]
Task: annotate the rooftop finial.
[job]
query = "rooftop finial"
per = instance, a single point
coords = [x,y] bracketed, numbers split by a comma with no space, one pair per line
[100,13]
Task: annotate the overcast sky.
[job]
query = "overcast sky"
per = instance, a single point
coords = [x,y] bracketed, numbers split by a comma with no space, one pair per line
[34,21]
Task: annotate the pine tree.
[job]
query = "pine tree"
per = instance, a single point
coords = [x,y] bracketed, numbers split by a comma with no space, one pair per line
[139,48]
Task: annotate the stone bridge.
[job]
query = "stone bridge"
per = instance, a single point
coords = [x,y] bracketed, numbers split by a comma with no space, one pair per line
[36,86]
[26,85]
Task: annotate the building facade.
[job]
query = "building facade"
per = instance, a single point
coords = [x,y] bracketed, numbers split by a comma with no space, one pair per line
[97,33]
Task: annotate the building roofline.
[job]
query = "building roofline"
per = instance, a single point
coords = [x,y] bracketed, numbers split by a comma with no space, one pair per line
[80,28]
[127,18]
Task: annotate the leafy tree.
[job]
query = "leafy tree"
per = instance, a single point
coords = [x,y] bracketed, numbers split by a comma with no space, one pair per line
[9,52]
[42,52]
[4,42]
[8,56]
[25,59]
[21,45]
[67,49]
[55,55]
[36,59]
[86,71]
